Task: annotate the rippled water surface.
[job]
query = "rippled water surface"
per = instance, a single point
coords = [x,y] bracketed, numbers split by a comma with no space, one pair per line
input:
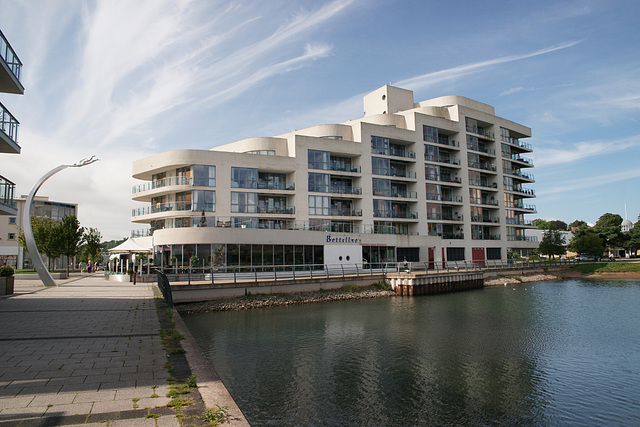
[564,353]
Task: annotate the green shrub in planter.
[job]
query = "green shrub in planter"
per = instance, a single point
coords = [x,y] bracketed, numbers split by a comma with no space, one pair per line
[6,271]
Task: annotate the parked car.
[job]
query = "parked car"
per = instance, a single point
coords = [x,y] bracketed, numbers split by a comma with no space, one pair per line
[582,257]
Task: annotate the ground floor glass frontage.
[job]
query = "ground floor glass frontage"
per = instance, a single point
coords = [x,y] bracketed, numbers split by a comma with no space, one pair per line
[206,256]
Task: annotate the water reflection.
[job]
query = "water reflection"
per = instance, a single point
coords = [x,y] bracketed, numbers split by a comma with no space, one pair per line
[555,353]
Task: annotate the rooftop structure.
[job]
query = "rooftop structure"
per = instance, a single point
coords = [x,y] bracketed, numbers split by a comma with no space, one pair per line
[435,181]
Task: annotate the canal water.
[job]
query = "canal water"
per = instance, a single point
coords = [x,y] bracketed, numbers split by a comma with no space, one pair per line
[555,353]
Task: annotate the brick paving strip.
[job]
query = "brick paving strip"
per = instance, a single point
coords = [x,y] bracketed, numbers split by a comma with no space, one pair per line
[89,352]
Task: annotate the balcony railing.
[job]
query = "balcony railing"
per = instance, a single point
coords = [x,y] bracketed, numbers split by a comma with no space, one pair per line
[522,238]
[480,131]
[382,213]
[483,201]
[345,212]
[395,172]
[169,207]
[395,152]
[276,210]
[443,178]
[516,141]
[166,182]
[435,216]
[514,221]
[145,232]
[343,168]
[526,191]
[441,159]
[519,173]
[343,190]
[444,198]
[483,166]
[10,57]
[7,191]
[485,219]
[519,158]
[8,124]
[485,184]
[476,147]
[485,237]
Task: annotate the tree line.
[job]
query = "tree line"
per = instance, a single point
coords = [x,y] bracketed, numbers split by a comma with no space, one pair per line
[605,235]
[64,238]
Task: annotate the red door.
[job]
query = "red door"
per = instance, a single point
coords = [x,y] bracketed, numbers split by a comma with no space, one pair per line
[477,256]
[432,258]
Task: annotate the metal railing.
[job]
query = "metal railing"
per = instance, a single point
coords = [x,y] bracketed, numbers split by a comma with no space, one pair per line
[8,124]
[243,275]
[165,287]
[10,57]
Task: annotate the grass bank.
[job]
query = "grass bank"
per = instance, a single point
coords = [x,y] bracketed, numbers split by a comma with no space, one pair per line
[609,267]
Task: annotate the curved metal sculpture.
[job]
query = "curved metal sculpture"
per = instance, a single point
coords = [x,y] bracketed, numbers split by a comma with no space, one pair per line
[42,271]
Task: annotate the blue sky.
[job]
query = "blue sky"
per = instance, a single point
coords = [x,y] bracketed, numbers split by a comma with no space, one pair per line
[127,79]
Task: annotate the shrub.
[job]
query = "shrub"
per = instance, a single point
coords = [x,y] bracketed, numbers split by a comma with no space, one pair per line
[6,271]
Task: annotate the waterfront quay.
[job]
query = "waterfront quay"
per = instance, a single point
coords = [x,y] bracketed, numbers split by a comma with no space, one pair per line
[413,280]
[90,351]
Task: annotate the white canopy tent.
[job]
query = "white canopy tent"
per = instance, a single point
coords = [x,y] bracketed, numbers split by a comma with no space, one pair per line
[126,253]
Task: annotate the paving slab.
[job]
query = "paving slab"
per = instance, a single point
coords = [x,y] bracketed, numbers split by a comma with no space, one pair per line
[67,352]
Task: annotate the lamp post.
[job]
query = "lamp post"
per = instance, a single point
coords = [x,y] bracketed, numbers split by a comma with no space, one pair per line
[42,271]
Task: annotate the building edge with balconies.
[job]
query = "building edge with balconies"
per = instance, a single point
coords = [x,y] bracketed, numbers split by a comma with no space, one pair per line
[10,72]
[394,184]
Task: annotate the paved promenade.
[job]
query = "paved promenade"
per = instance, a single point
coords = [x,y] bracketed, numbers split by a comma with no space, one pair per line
[86,352]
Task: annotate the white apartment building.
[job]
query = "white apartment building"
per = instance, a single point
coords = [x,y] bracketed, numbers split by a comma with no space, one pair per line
[435,181]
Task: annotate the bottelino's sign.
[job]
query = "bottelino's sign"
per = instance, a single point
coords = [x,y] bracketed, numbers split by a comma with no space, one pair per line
[347,239]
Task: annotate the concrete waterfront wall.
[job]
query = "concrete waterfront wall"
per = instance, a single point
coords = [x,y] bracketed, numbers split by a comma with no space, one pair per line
[421,283]
[183,293]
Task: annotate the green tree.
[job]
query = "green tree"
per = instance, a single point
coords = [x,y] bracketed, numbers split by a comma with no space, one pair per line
[633,238]
[587,242]
[92,247]
[70,235]
[552,243]
[46,237]
[578,223]
[556,224]
[609,229]
[540,224]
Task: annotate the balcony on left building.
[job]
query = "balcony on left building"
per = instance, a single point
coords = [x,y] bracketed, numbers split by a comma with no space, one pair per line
[10,72]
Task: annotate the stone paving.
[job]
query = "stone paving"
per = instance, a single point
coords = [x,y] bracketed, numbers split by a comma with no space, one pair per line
[87,351]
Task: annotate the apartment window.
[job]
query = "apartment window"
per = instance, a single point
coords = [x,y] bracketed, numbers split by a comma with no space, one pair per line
[381,187]
[244,202]
[455,254]
[430,134]
[12,236]
[204,176]
[204,201]
[494,253]
[182,222]
[379,145]
[318,159]
[319,205]
[244,178]
[12,220]
[380,166]
[319,182]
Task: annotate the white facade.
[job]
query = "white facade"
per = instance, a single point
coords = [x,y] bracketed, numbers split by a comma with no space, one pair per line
[435,181]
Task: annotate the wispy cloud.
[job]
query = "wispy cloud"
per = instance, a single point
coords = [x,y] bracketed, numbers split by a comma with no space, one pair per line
[430,79]
[590,182]
[134,75]
[583,150]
